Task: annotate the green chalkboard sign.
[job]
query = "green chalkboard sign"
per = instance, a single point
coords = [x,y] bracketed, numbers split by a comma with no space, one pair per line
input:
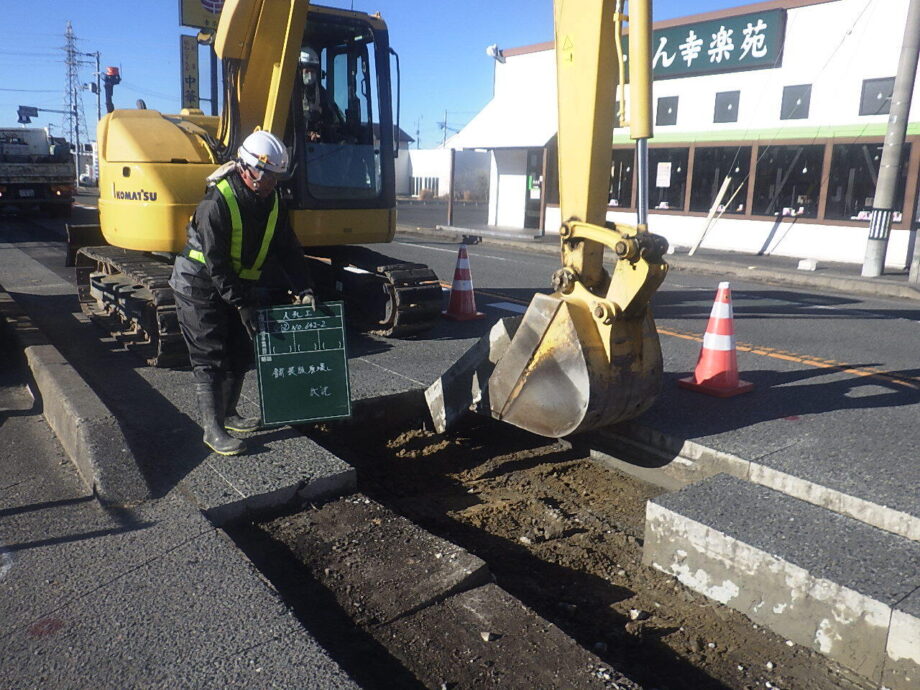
[301,363]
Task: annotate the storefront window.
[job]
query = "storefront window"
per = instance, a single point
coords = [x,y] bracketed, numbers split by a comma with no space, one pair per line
[666,113]
[796,102]
[621,177]
[726,109]
[876,96]
[853,178]
[667,178]
[711,165]
[788,180]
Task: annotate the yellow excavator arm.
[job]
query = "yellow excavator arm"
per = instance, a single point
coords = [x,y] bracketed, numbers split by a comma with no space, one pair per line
[259,42]
[588,355]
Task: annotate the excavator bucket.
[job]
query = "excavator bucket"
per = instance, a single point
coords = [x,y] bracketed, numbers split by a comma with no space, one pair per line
[556,377]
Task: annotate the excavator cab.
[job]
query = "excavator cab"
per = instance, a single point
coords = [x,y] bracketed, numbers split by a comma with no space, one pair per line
[341,155]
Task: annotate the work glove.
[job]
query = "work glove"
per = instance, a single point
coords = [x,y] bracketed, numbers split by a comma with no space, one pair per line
[250,318]
[306,298]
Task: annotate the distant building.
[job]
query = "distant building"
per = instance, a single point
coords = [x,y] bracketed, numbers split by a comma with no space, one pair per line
[789,98]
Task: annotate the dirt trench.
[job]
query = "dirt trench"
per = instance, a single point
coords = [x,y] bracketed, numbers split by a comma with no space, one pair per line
[561,534]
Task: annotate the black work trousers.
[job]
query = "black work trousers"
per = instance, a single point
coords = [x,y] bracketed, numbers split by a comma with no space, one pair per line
[218,345]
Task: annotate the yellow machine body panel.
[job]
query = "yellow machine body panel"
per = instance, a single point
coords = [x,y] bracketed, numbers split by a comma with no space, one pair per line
[315,228]
[152,171]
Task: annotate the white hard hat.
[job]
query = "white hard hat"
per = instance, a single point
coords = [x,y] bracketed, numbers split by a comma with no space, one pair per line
[309,56]
[264,151]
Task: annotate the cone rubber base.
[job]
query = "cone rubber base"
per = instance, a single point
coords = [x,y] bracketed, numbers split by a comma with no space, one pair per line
[719,392]
[463,317]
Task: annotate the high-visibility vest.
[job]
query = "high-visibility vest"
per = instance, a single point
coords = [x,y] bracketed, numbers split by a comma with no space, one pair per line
[236,238]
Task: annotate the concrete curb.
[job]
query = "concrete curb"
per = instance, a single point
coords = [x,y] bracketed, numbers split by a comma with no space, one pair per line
[674,463]
[88,432]
[820,579]
[854,286]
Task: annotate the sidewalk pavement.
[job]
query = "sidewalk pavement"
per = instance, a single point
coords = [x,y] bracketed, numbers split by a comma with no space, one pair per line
[828,275]
[151,595]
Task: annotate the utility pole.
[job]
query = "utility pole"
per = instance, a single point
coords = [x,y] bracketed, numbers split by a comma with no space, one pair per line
[77,141]
[70,121]
[98,88]
[889,167]
[444,138]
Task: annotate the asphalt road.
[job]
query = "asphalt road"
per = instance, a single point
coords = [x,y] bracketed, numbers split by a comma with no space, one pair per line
[836,376]
[836,399]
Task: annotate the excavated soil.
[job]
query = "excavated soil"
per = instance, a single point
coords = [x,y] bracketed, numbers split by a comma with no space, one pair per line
[564,536]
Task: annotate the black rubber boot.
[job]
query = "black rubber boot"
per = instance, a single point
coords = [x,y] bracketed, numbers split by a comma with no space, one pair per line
[233,386]
[210,409]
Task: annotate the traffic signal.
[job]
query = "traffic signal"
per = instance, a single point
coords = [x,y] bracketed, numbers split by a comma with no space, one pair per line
[26,113]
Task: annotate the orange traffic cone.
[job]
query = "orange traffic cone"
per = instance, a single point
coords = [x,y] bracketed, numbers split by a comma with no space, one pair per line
[462,305]
[717,367]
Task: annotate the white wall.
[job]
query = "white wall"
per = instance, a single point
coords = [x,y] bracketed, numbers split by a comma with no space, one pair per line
[403,173]
[782,237]
[508,187]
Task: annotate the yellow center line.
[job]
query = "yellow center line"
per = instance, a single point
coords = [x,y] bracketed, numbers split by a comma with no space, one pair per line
[912,382]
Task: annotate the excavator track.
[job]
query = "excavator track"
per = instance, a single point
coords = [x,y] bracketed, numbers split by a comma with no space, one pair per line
[128,293]
[416,300]
[385,298]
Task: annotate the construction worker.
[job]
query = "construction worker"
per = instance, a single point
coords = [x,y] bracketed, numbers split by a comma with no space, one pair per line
[324,120]
[236,227]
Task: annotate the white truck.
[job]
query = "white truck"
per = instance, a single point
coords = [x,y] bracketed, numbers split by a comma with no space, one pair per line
[36,172]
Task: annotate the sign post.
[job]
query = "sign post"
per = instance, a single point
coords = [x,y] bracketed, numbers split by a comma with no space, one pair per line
[301,364]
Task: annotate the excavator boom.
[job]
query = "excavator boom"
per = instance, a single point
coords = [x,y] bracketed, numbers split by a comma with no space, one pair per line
[259,43]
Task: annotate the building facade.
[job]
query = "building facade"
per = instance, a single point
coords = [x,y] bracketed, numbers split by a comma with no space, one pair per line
[769,124]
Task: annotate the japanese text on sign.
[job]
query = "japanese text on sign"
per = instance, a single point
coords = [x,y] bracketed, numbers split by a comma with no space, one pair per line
[189,61]
[302,364]
[747,41]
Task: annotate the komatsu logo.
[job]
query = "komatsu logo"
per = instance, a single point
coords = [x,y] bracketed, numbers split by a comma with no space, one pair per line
[141,195]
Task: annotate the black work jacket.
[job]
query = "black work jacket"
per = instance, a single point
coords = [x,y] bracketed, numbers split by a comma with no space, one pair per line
[209,232]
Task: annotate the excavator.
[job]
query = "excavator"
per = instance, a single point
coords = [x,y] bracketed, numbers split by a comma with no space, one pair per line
[583,357]
[341,194]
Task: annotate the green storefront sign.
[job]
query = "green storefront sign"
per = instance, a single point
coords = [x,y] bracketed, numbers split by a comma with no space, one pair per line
[743,42]
[301,364]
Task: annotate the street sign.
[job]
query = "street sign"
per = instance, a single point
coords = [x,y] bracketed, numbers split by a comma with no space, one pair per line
[301,364]
[201,14]
[188,55]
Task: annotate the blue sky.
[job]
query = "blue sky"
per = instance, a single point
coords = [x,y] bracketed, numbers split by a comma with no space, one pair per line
[441,45]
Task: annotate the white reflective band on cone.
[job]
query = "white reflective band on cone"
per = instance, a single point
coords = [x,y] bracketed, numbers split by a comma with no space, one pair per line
[721,310]
[723,343]
[463,263]
[463,285]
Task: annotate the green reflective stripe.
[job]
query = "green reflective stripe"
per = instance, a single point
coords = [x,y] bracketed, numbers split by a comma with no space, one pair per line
[236,238]
[236,224]
[266,241]
[196,255]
